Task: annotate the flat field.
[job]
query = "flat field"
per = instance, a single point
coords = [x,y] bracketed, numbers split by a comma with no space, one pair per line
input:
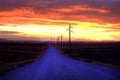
[14,54]
[106,53]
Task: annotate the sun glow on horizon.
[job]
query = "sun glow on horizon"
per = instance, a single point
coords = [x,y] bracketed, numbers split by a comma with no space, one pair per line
[82,32]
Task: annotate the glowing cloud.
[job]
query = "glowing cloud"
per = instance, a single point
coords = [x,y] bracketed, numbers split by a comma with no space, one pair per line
[34,19]
[82,8]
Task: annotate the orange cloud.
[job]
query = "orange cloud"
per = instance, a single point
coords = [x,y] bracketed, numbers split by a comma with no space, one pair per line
[24,16]
[82,8]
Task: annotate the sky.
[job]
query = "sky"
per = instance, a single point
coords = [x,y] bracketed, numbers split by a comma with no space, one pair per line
[44,20]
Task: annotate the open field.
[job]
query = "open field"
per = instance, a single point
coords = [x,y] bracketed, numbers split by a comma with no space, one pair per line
[14,55]
[101,53]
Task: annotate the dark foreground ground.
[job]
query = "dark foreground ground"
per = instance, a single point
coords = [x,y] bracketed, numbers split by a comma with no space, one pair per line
[17,54]
[14,55]
[105,53]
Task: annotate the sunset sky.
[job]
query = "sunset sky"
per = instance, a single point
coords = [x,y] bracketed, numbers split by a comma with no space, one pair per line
[92,20]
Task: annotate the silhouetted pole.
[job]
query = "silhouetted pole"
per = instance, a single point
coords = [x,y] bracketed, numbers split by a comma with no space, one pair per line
[54,42]
[58,40]
[51,40]
[70,27]
[61,40]
[69,37]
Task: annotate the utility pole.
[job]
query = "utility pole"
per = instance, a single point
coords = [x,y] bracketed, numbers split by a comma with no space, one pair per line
[69,29]
[54,42]
[58,40]
[61,40]
[51,40]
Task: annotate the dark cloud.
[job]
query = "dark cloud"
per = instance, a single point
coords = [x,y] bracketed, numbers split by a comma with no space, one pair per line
[117,37]
[2,25]
[3,39]
[8,32]
[11,4]
[19,38]
[113,29]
